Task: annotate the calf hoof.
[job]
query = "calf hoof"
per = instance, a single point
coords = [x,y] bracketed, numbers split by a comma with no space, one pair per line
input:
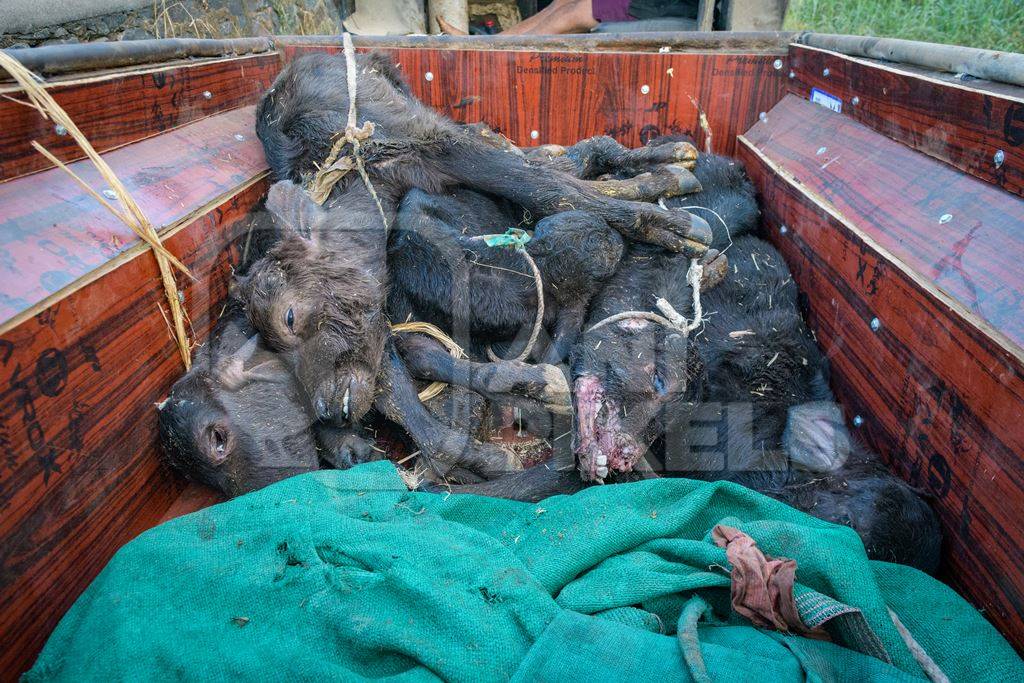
[686,182]
[684,152]
[488,460]
[698,238]
[677,231]
[716,267]
[343,448]
[556,396]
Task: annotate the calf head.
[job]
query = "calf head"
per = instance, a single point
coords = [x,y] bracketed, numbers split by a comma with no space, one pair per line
[237,422]
[626,375]
[319,310]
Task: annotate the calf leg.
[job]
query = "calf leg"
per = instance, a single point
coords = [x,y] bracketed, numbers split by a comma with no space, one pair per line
[502,381]
[670,180]
[596,156]
[541,190]
[568,326]
[545,191]
[442,448]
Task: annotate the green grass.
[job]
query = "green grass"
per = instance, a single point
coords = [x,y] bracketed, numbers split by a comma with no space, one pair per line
[990,24]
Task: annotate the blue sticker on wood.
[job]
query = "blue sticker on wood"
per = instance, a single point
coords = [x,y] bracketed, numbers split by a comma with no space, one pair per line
[826,100]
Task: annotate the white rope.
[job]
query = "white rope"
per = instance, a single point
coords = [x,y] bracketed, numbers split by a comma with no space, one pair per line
[350,66]
[335,168]
[924,660]
[670,317]
[354,134]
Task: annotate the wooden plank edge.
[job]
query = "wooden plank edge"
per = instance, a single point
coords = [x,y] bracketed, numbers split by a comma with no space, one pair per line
[164,233]
[144,136]
[925,284]
[908,74]
[7,89]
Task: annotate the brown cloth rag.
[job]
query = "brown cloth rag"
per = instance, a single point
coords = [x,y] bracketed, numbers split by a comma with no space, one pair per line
[762,587]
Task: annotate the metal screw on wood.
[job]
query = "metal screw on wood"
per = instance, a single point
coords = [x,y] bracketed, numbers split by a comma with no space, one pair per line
[945,218]
[207,94]
[109,194]
[858,421]
[60,130]
[825,72]
[875,324]
[644,89]
[534,135]
[999,157]
[763,116]
[429,75]
[783,229]
[855,101]
[239,137]
[792,74]
[777,64]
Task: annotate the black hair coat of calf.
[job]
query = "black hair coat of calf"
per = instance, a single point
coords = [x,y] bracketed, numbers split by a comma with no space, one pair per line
[238,421]
[753,376]
[780,430]
[483,294]
[319,296]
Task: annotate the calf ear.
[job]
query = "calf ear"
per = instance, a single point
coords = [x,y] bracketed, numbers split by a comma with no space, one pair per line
[293,210]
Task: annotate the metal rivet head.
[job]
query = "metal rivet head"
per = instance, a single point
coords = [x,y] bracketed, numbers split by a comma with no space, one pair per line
[999,157]
[855,101]
[858,421]
[822,150]
[777,64]
[429,75]
[763,116]
[60,130]
[783,229]
[207,94]
[239,137]
[792,74]
[945,218]
[825,72]
[875,324]
[534,135]
[109,194]
[644,89]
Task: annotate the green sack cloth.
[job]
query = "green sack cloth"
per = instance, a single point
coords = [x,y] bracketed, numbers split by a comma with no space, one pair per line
[347,575]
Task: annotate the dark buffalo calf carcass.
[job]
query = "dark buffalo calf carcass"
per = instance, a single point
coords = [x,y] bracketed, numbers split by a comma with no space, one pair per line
[299,120]
[779,430]
[628,372]
[481,294]
[237,421]
[321,308]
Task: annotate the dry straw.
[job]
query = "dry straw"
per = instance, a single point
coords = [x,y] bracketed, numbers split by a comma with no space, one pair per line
[435,388]
[132,215]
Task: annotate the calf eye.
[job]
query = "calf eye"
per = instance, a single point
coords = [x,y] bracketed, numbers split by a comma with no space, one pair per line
[289,320]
